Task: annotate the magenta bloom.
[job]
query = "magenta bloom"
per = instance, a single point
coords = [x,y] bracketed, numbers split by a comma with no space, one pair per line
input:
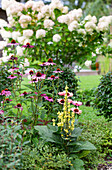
[23,94]
[28,46]
[76,103]
[13,69]
[5,92]
[49,62]
[58,71]
[18,73]
[6,100]
[52,77]
[13,42]
[13,58]
[19,106]
[1,112]
[43,64]
[76,110]
[34,80]
[12,77]
[50,99]
[43,95]
[31,72]
[39,75]
[64,92]
[61,101]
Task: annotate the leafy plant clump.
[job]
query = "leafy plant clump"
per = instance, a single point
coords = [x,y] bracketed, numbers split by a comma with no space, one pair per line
[103,97]
[99,132]
[69,77]
[4,82]
[45,156]
[11,143]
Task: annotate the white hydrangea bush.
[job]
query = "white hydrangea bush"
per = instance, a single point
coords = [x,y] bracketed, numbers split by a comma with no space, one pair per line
[53,30]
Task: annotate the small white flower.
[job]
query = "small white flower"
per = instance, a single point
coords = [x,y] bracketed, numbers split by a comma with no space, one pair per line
[65,10]
[88,63]
[29,4]
[81,31]
[48,23]
[3,44]
[19,51]
[56,38]
[15,35]
[21,39]
[37,6]
[5,4]
[26,62]
[24,19]
[27,33]
[73,26]
[40,33]
[3,23]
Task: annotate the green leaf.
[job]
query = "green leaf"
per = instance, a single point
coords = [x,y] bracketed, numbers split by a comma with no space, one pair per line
[47,135]
[83,145]
[78,164]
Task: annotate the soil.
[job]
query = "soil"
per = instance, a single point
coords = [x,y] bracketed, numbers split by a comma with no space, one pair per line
[107,166]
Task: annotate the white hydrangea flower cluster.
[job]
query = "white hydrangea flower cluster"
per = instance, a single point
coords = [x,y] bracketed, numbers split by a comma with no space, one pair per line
[104,23]
[40,33]
[42,17]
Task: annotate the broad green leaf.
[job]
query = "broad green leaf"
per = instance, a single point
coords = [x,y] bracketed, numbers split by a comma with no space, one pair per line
[78,164]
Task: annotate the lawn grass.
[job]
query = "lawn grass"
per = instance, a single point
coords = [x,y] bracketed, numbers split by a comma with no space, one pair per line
[89,82]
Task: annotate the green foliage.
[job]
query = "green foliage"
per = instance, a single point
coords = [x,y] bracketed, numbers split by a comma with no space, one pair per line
[103,96]
[99,132]
[98,8]
[10,143]
[72,146]
[68,77]
[86,96]
[4,82]
[45,157]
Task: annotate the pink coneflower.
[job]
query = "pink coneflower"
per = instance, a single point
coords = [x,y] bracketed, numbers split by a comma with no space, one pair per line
[18,73]
[61,101]
[64,92]
[19,106]
[13,69]
[50,99]
[13,58]
[76,110]
[50,62]
[31,72]
[23,94]
[76,103]
[6,100]
[1,112]
[28,45]
[39,75]
[43,94]
[52,77]
[43,64]
[12,77]
[34,80]
[13,42]
[5,92]
[58,71]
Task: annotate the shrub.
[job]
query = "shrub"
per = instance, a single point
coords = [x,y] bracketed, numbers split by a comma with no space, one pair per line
[10,143]
[69,77]
[103,97]
[86,96]
[99,132]
[44,157]
[66,77]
